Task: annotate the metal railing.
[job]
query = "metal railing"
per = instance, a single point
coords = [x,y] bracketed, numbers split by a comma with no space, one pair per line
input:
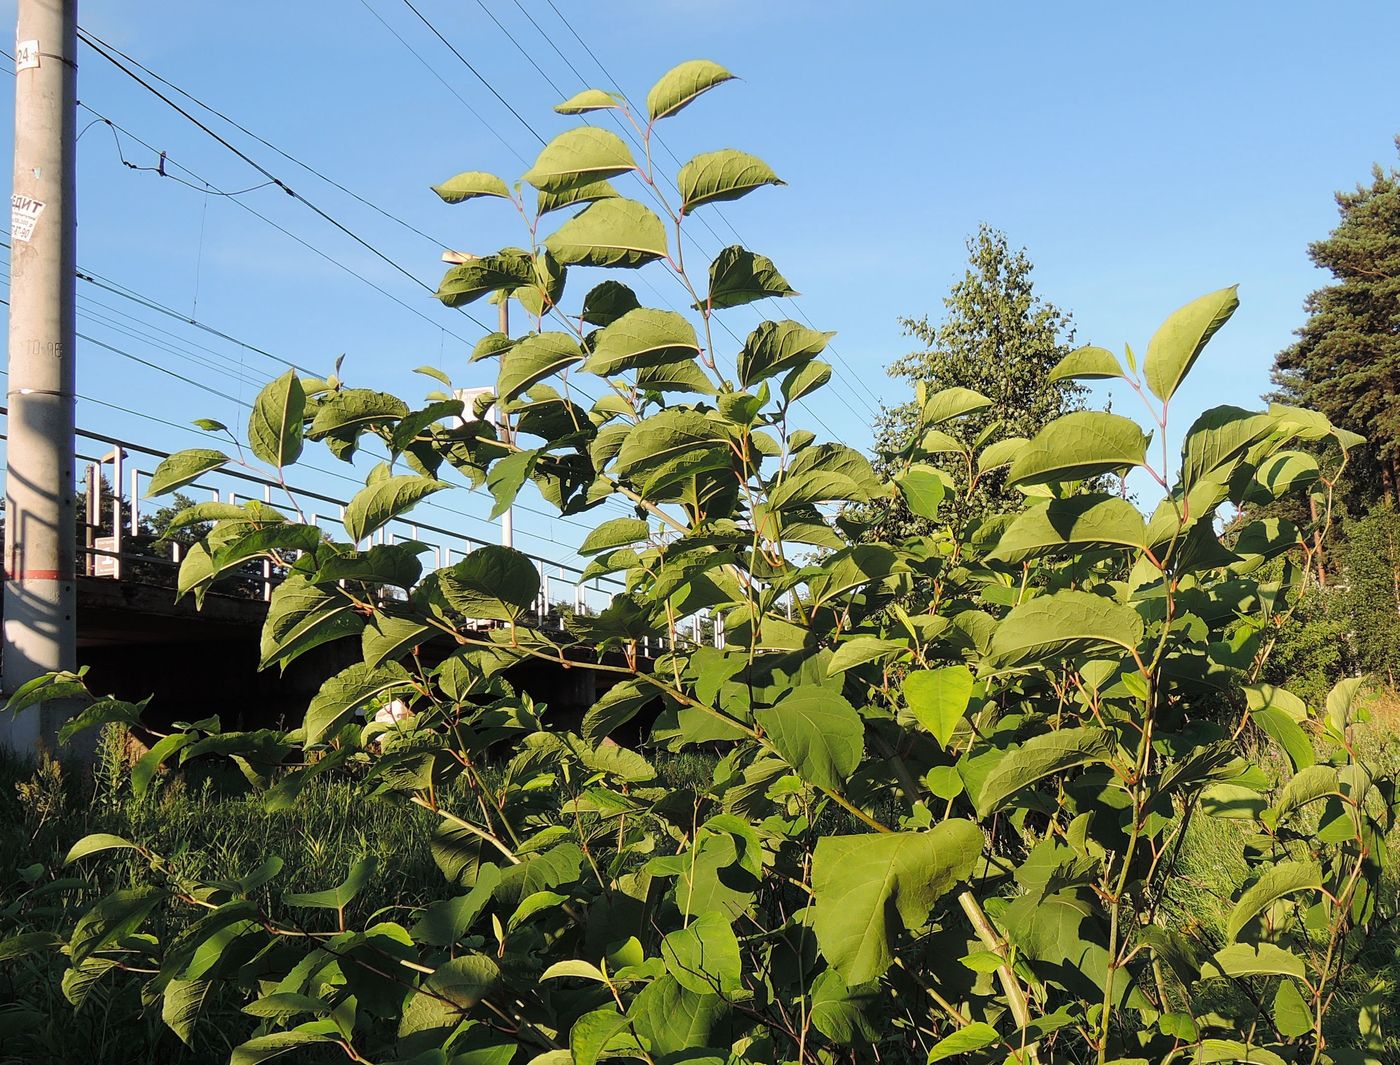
[117,538]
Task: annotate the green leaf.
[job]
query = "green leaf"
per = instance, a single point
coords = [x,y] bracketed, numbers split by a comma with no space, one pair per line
[589,100]
[950,403]
[95,843]
[642,337]
[275,425]
[738,276]
[534,358]
[113,917]
[1343,702]
[860,650]
[1219,436]
[611,232]
[704,956]
[144,771]
[301,616]
[1277,881]
[264,1047]
[775,347]
[1075,446]
[616,532]
[1086,363]
[1256,959]
[682,84]
[1040,756]
[607,302]
[180,1006]
[671,1019]
[354,408]
[471,184]
[580,156]
[724,175]
[938,698]
[1175,346]
[573,196]
[861,882]
[182,468]
[599,1031]
[975,1036]
[1066,526]
[922,486]
[379,503]
[342,693]
[102,712]
[492,583]
[1291,1012]
[1061,624]
[507,477]
[467,282]
[340,896]
[1286,472]
[817,732]
[1001,453]
[675,441]
[805,379]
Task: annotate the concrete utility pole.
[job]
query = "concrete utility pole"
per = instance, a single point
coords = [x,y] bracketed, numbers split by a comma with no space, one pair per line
[40,609]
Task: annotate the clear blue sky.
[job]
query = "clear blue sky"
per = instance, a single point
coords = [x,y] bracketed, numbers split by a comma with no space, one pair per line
[1144,154]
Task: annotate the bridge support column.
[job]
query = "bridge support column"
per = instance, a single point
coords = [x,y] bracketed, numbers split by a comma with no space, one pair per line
[40,612]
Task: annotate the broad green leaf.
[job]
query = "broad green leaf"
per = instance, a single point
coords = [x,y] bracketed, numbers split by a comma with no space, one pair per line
[495,583]
[841,1013]
[607,302]
[340,896]
[817,732]
[739,276]
[975,1036]
[102,712]
[181,1004]
[60,685]
[613,533]
[775,347]
[263,1047]
[1277,881]
[805,379]
[1217,437]
[599,1031]
[582,103]
[675,439]
[94,843]
[275,425]
[302,616]
[1064,623]
[1288,734]
[682,84]
[610,232]
[144,771]
[1286,472]
[507,477]
[1040,756]
[1001,453]
[182,468]
[375,505]
[1075,446]
[355,408]
[467,282]
[862,649]
[471,184]
[1343,702]
[861,882]
[671,1019]
[112,918]
[352,687]
[938,698]
[580,156]
[704,956]
[1256,959]
[573,196]
[724,175]
[950,403]
[1065,526]
[1086,363]
[534,358]
[923,489]
[642,337]
[1175,346]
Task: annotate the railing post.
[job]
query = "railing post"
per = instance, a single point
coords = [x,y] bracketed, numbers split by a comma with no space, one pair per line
[117,469]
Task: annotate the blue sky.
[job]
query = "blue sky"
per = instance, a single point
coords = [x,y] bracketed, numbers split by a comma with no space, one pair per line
[1144,154]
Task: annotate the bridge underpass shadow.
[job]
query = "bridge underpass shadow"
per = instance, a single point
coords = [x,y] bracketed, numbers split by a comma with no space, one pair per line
[137,641]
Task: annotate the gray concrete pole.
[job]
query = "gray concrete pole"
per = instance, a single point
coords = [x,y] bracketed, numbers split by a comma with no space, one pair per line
[40,611]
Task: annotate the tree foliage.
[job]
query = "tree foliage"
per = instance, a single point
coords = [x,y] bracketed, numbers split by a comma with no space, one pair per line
[951,772]
[1000,339]
[1346,361]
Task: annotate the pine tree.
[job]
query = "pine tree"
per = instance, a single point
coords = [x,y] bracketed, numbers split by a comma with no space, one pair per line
[998,338]
[1346,361]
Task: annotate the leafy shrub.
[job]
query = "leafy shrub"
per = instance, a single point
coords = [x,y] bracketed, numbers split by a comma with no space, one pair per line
[953,775]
